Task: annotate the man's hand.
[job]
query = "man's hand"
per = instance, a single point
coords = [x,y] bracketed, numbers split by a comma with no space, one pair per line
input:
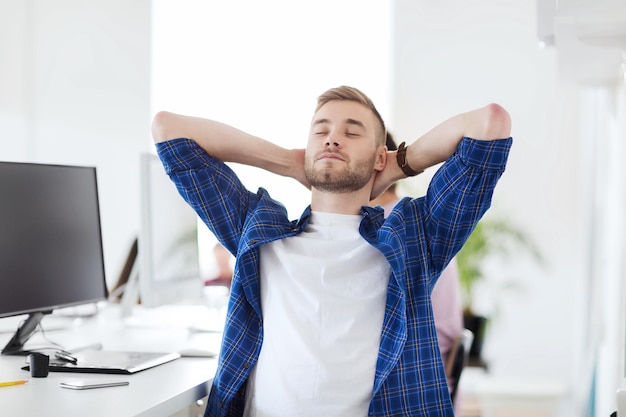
[297,167]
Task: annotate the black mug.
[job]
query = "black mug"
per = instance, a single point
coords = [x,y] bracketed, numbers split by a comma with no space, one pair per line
[39,365]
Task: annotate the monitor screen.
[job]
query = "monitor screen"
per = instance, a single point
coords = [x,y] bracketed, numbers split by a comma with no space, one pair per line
[50,241]
[168,252]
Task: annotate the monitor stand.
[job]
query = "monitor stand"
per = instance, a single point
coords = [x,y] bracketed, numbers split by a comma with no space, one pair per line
[23,333]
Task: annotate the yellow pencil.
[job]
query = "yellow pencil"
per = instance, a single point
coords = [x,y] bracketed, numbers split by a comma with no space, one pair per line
[10,383]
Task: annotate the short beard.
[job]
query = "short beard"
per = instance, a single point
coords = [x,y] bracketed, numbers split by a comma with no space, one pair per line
[348,180]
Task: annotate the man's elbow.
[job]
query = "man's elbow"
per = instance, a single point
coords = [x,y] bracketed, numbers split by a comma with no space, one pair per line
[497,123]
[161,126]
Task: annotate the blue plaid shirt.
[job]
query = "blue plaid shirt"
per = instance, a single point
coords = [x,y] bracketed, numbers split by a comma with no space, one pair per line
[418,239]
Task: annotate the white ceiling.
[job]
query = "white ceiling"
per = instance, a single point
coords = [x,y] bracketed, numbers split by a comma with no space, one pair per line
[589,37]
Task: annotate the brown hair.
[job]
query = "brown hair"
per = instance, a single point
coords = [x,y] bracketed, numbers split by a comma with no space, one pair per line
[391,146]
[353,94]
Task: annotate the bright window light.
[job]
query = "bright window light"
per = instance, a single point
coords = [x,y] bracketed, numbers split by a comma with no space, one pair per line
[260,66]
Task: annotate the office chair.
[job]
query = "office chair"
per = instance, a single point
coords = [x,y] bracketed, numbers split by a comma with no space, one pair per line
[459,355]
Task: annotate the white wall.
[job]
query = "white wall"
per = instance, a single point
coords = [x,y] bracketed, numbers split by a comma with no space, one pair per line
[75,89]
[16,69]
[607,273]
[451,56]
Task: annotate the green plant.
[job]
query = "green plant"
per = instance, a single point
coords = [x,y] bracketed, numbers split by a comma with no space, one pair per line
[490,238]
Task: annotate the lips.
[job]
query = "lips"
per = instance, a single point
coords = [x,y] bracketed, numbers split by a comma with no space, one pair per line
[331,155]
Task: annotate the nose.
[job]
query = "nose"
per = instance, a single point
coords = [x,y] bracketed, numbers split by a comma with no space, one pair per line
[331,141]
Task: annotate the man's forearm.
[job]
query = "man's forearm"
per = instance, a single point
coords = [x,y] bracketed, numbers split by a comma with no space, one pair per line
[225,142]
[486,123]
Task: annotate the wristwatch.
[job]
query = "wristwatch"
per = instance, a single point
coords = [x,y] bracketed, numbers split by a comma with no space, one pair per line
[402,162]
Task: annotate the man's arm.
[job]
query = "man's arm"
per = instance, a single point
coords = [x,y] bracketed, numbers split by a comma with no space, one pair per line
[490,122]
[229,144]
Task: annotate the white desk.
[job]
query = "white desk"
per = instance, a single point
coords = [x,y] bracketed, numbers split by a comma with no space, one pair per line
[492,396]
[159,391]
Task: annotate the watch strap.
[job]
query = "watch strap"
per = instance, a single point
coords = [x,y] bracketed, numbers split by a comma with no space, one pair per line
[402,162]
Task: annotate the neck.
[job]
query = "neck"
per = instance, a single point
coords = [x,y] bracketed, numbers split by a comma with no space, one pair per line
[384,199]
[340,203]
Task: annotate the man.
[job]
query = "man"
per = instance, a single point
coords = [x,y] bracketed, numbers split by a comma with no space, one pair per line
[330,315]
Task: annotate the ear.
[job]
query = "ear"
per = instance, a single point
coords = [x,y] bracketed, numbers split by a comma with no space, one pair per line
[381,158]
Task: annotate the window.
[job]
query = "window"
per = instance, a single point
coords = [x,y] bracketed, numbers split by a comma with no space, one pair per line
[260,66]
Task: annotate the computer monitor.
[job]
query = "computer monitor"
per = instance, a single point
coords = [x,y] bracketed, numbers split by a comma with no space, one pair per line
[50,243]
[168,251]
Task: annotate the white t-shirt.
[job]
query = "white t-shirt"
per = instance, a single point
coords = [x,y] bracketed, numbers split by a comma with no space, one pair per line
[323,296]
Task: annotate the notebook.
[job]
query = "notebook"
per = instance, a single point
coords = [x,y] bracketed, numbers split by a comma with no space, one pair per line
[111,362]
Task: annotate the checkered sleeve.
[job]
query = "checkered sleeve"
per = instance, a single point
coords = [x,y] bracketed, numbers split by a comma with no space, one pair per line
[209,186]
[460,193]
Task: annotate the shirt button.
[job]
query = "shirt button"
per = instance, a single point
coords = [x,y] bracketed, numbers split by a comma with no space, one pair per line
[246,365]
